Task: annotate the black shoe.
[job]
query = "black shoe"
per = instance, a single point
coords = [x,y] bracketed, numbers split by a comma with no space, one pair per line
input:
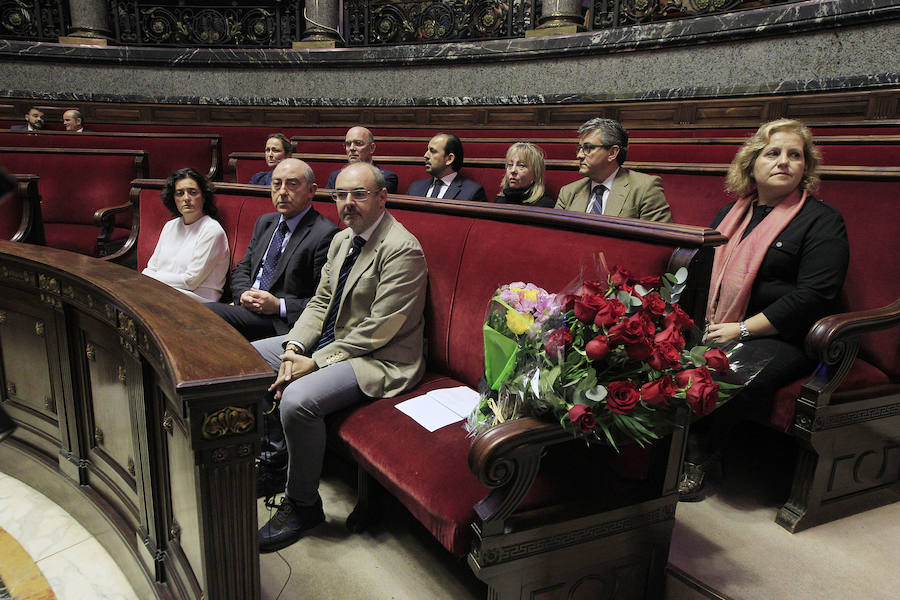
[270,481]
[692,485]
[288,524]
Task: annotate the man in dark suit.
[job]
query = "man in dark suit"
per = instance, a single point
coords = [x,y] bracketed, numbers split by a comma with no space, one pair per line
[359,143]
[360,337]
[280,269]
[73,121]
[34,120]
[443,160]
[608,187]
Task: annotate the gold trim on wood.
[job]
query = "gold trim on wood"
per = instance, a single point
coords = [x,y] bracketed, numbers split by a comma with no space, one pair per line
[10,388]
[47,283]
[39,328]
[50,404]
[168,423]
[131,469]
[230,420]
[90,352]
[98,436]
[3,317]
[175,531]
[122,375]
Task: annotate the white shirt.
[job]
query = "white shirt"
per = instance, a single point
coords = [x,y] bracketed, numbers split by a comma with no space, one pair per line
[192,258]
[447,179]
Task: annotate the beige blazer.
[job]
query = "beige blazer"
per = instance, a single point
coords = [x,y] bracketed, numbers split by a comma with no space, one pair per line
[634,195]
[380,324]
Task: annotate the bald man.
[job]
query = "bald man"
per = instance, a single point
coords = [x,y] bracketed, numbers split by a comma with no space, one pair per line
[359,143]
[73,121]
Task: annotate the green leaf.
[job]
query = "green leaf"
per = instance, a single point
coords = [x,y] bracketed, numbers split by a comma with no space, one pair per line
[596,393]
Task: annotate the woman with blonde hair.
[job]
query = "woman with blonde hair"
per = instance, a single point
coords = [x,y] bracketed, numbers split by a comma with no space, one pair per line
[781,270]
[523,182]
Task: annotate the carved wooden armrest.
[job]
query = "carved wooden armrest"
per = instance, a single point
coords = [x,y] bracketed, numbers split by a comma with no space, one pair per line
[834,341]
[507,457]
[105,218]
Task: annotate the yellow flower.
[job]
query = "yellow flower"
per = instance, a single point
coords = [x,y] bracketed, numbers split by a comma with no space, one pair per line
[531,295]
[518,322]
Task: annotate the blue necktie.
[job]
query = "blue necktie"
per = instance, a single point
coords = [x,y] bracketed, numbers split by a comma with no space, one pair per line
[267,275]
[596,204]
[436,188]
[328,327]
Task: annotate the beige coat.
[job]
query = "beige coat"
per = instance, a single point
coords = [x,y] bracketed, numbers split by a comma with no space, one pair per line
[634,195]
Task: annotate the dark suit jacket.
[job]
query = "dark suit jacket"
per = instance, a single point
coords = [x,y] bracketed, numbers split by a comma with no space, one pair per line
[298,269]
[460,189]
[390,179]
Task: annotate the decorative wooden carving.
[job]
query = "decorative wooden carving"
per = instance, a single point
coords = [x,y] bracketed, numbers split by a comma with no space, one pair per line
[231,420]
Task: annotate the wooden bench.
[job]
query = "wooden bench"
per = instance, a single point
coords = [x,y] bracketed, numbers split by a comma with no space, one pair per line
[167,152]
[20,217]
[85,193]
[488,511]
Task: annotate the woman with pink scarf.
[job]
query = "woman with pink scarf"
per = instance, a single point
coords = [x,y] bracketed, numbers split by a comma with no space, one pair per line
[781,270]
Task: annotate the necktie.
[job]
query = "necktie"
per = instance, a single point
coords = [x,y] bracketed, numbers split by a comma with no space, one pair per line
[596,204]
[435,188]
[331,319]
[267,275]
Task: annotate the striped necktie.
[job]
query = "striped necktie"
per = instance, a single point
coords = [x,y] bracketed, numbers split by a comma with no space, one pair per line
[596,204]
[331,319]
[267,276]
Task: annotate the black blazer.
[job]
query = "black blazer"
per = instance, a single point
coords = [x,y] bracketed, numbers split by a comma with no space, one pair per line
[460,188]
[298,269]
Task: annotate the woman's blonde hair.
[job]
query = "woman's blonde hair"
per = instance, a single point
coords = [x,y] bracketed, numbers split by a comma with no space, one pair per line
[740,173]
[533,157]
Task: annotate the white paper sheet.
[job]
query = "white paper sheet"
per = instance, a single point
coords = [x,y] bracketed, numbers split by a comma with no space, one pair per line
[438,408]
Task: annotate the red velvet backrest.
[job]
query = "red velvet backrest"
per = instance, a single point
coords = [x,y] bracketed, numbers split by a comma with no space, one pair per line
[74,185]
[245,168]
[154,216]
[498,253]
[10,216]
[166,155]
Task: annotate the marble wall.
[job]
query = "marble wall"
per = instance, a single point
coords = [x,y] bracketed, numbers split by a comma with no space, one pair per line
[804,46]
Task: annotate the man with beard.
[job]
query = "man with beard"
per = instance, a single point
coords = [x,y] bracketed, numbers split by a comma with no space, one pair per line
[359,143]
[360,337]
[609,188]
[34,120]
[443,160]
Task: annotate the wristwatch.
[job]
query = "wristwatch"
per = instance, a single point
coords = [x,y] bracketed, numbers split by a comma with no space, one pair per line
[745,333]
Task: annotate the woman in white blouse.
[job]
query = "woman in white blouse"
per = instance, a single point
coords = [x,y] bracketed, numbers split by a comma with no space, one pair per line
[192,252]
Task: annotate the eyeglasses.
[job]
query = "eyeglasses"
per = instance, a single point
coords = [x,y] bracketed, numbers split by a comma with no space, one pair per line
[588,148]
[357,195]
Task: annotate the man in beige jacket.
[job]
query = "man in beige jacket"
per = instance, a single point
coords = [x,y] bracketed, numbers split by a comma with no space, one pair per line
[359,337]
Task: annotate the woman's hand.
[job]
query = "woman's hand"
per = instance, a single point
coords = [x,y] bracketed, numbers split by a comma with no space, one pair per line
[722,333]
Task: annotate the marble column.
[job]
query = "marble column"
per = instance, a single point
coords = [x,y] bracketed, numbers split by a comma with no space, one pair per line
[322,18]
[90,23]
[559,16]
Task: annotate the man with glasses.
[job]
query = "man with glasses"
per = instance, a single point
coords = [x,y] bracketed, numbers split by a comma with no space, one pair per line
[359,143]
[360,337]
[609,188]
[279,272]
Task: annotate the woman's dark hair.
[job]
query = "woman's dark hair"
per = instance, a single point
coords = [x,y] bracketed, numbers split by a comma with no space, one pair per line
[168,191]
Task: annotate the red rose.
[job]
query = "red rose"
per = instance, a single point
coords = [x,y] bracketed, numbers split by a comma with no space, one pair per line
[621,278]
[647,321]
[583,312]
[629,331]
[654,304]
[664,356]
[716,360]
[582,416]
[639,350]
[658,392]
[557,340]
[678,318]
[703,393]
[609,313]
[598,348]
[569,303]
[670,335]
[593,288]
[651,281]
[622,397]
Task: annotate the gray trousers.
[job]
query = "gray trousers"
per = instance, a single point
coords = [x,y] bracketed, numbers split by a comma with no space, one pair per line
[304,405]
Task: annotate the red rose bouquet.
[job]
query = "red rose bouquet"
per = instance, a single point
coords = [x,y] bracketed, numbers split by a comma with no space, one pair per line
[612,364]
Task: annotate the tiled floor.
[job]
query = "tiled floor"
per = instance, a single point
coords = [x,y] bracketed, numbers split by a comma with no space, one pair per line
[76,565]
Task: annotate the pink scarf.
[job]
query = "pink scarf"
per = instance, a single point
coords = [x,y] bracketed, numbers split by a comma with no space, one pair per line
[737,262]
